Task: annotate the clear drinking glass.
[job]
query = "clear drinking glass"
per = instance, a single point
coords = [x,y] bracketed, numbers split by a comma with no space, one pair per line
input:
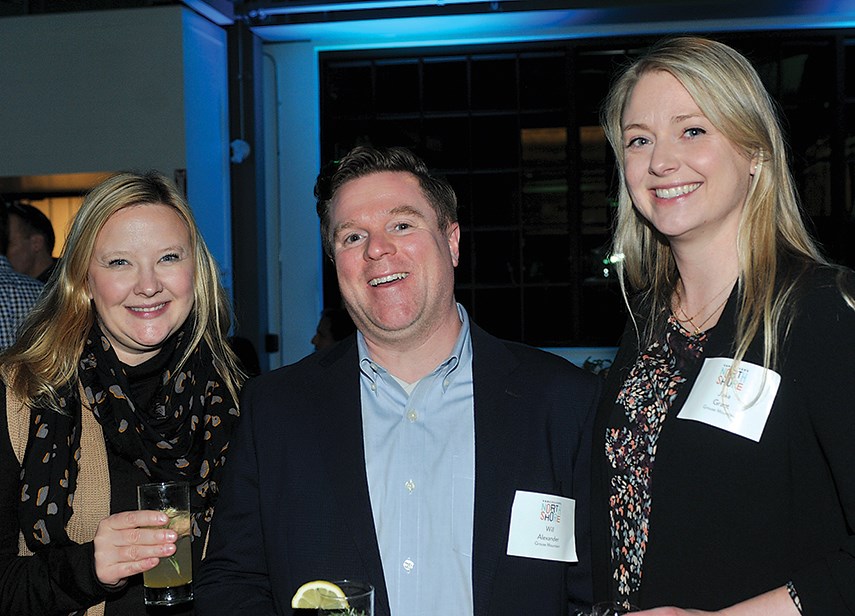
[358,601]
[171,581]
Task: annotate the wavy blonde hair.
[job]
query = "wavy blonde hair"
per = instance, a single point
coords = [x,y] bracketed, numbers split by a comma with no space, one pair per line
[729,92]
[46,354]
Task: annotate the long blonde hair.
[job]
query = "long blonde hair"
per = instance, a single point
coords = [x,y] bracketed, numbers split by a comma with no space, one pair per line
[46,354]
[729,92]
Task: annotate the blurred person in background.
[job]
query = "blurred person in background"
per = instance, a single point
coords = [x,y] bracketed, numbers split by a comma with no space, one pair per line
[18,293]
[31,241]
[335,324]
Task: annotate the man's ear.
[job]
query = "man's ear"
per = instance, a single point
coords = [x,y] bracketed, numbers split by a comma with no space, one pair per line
[453,234]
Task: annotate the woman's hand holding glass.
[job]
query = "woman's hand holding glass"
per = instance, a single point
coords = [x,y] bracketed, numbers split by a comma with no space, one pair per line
[131,542]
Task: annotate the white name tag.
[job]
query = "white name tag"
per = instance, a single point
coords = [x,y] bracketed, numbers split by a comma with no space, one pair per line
[737,400]
[542,526]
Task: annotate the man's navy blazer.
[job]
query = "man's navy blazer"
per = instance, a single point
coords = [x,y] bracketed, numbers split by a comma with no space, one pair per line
[294,503]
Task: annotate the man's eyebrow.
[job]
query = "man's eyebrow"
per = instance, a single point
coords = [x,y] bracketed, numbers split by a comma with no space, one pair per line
[406,209]
[343,225]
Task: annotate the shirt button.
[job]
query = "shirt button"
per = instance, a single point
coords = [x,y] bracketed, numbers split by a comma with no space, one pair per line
[410,485]
[408,565]
[412,416]
[373,387]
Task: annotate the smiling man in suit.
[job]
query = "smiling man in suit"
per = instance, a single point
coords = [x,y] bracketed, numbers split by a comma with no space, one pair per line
[422,455]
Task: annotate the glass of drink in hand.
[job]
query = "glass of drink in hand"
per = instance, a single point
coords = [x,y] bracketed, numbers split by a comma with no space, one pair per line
[358,600]
[170,582]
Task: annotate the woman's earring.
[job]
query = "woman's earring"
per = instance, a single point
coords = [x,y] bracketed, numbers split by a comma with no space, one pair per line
[755,167]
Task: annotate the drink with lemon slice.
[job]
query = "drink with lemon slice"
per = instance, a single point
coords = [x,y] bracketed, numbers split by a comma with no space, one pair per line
[340,598]
[170,582]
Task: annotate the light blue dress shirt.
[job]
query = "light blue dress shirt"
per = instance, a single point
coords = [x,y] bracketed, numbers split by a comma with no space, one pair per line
[420,461]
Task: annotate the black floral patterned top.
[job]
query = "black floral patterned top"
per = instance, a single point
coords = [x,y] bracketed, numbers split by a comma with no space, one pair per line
[646,397]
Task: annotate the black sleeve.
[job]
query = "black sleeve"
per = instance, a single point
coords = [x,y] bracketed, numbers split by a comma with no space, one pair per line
[823,340]
[233,578]
[58,579]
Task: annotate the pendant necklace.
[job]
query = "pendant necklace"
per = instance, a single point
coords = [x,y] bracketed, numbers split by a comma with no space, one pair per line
[691,320]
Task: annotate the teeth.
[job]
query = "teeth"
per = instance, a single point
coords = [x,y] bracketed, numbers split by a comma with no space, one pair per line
[148,308]
[670,193]
[390,278]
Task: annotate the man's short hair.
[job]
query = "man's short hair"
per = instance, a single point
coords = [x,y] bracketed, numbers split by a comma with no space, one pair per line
[34,222]
[362,161]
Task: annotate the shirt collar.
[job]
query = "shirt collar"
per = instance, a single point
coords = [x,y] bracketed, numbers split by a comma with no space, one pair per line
[446,370]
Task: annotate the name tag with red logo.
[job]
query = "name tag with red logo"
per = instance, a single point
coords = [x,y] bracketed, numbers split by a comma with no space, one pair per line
[736,397]
[543,526]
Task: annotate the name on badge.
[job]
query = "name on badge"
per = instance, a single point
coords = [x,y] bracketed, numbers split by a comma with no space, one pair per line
[736,397]
[543,526]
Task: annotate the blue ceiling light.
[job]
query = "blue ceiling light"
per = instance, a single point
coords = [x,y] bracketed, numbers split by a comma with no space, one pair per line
[485,27]
[355,24]
[356,5]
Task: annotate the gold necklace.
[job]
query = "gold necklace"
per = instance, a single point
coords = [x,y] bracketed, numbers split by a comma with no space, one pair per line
[705,321]
[688,319]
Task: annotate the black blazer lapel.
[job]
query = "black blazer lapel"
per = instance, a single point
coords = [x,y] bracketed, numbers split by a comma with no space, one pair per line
[346,468]
[496,431]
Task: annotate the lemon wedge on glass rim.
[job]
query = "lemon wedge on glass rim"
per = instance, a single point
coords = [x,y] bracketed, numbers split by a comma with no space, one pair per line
[319,594]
